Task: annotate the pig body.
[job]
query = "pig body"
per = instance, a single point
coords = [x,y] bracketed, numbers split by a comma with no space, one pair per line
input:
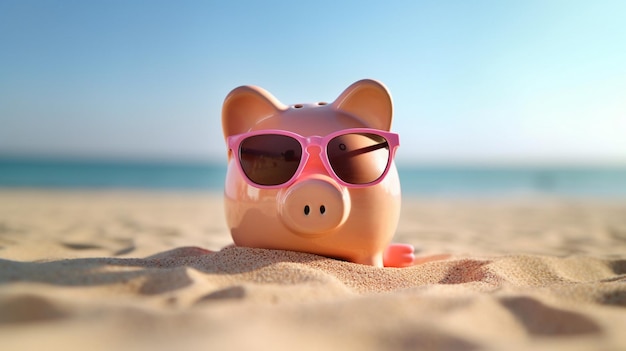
[314,213]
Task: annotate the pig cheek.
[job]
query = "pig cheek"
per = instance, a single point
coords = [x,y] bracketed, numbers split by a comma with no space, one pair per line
[375,214]
[250,211]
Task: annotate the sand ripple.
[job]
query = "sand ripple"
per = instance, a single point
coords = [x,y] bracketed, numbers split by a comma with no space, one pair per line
[113,276]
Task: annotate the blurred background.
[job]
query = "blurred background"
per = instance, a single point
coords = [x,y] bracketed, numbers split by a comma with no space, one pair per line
[489,96]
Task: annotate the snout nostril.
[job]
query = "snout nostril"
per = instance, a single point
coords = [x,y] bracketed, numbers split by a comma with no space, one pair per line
[307,209]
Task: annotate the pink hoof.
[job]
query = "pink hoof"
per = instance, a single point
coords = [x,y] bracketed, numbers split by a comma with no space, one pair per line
[399,255]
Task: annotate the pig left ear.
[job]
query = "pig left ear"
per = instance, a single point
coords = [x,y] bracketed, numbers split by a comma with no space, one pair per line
[245,106]
[368,100]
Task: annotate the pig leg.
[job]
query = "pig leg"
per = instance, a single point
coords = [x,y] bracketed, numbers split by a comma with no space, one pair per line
[374,260]
[399,255]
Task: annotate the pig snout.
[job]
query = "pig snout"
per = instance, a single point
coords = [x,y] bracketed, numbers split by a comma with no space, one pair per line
[314,207]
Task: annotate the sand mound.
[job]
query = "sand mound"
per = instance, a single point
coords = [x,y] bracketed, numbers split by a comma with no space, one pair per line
[119,271]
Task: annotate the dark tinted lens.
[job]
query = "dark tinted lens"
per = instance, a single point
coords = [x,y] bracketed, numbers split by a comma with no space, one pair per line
[270,159]
[358,158]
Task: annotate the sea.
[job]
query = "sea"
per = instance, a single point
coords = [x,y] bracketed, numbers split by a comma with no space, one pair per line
[416,180]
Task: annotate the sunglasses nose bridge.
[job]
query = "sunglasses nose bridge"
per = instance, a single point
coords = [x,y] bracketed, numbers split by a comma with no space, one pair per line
[313,146]
[314,161]
[313,142]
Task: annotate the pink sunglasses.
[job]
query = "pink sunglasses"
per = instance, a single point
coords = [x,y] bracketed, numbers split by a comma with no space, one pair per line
[273,158]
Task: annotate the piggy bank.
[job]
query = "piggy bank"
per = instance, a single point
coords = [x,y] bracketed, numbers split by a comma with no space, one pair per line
[317,177]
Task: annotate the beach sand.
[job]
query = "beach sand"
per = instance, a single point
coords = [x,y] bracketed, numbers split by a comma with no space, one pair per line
[111,270]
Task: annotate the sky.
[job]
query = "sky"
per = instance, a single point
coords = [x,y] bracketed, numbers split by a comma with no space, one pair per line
[473,82]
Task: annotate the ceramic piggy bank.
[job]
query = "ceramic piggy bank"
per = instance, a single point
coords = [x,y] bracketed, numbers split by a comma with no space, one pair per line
[317,178]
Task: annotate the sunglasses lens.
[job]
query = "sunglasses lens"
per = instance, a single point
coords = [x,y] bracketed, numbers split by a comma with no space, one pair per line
[270,159]
[358,158]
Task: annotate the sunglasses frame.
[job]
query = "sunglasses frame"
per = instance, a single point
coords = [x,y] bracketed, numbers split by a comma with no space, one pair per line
[234,144]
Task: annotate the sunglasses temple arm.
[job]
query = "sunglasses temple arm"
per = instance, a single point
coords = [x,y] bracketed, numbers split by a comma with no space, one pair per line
[364,150]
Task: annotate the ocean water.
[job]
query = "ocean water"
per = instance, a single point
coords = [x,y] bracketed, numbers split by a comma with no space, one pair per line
[420,181]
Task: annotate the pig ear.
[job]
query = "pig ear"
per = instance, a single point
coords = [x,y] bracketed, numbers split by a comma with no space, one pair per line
[245,106]
[368,100]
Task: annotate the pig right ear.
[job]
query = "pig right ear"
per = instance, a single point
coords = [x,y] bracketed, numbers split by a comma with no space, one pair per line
[245,106]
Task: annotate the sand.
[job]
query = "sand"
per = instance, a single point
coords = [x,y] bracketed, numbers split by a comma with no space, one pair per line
[111,270]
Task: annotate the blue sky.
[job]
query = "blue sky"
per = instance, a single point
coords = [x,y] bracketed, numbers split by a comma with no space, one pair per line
[473,82]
